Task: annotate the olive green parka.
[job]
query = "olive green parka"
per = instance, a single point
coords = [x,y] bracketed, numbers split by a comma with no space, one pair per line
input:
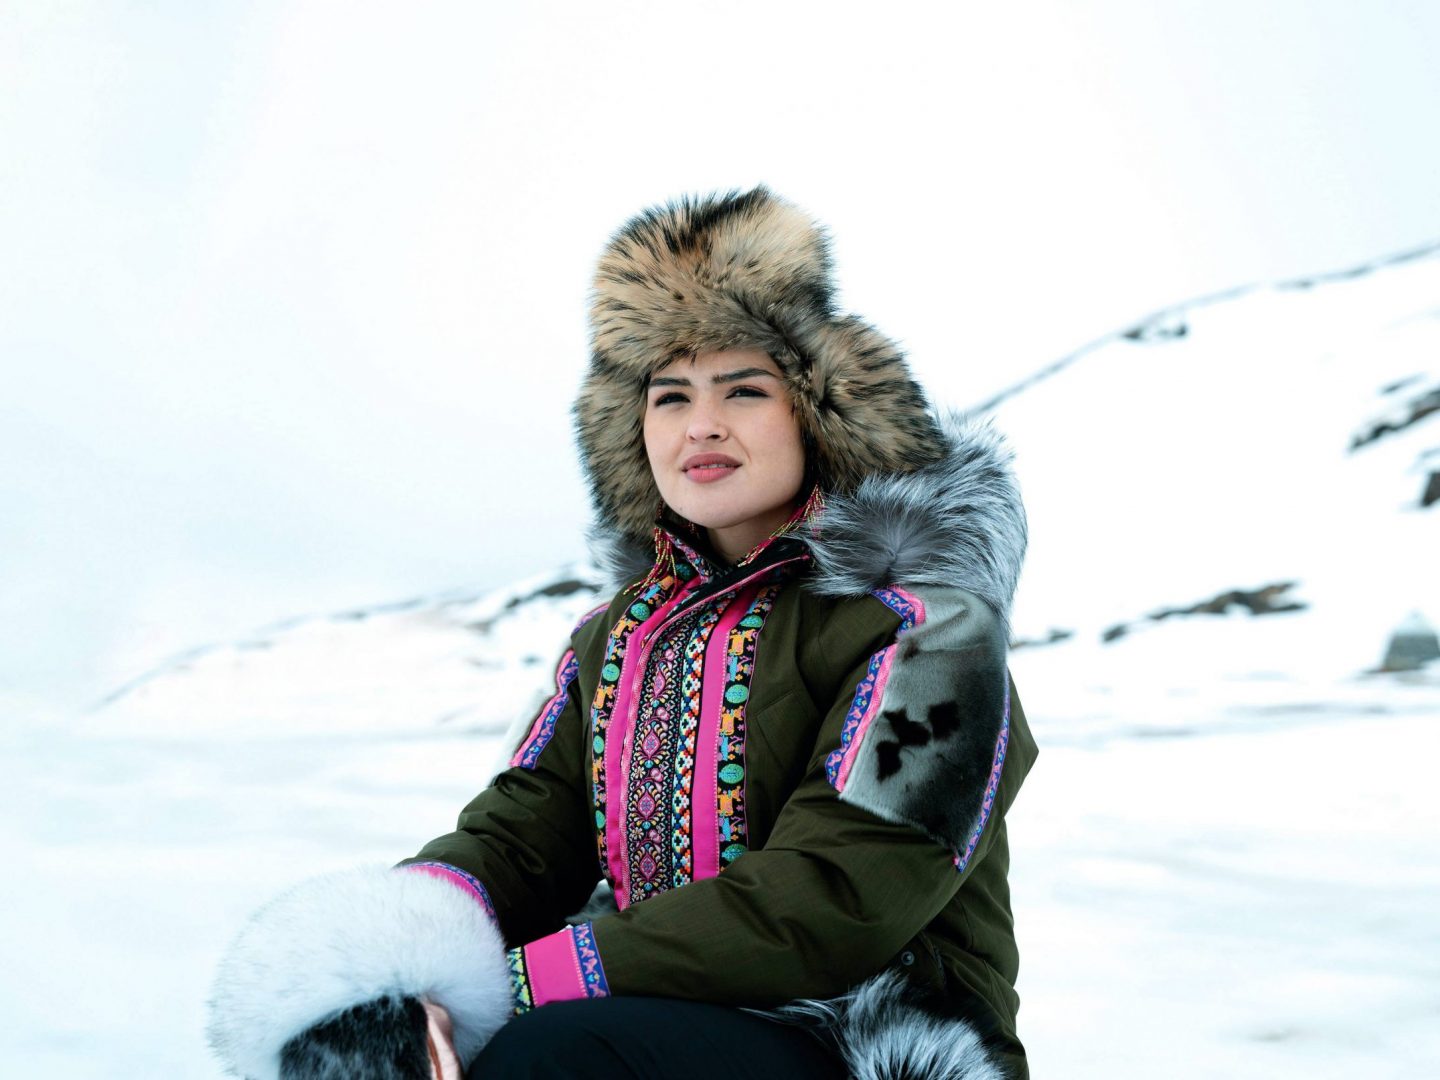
[821,799]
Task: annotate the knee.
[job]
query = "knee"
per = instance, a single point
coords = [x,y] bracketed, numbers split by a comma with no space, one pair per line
[552,1041]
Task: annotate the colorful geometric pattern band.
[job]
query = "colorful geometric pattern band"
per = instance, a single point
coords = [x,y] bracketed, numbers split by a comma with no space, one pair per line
[730,748]
[524,998]
[660,773]
[607,690]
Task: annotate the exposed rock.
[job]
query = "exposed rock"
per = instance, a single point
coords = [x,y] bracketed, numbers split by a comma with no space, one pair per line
[1411,412]
[1167,326]
[1050,639]
[1412,645]
[1266,600]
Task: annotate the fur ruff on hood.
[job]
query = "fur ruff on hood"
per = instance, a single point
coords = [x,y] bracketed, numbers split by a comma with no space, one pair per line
[738,271]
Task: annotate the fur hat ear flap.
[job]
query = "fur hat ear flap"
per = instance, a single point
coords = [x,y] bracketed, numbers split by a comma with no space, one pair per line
[739,270]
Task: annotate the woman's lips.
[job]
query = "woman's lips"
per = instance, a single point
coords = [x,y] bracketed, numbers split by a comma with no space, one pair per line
[708,474]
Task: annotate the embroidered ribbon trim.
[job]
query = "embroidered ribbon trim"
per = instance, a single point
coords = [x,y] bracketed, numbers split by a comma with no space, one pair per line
[987,804]
[871,691]
[564,966]
[457,877]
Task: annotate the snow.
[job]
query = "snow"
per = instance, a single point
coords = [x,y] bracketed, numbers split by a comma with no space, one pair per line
[1223,862]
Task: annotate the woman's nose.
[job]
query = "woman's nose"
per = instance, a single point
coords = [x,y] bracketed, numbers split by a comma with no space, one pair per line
[704,423]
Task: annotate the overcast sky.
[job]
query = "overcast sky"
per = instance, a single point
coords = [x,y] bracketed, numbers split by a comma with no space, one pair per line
[292,295]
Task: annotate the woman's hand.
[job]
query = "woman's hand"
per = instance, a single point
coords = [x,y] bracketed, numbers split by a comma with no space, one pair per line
[443,1059]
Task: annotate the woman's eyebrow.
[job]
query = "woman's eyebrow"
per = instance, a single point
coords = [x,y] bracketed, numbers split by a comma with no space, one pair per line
[743,373]
[729,376]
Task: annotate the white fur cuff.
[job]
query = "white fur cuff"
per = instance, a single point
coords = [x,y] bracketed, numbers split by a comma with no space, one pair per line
[343,939]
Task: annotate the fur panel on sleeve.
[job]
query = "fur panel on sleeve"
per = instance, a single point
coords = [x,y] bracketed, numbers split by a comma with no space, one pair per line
[929,755]
[344,939]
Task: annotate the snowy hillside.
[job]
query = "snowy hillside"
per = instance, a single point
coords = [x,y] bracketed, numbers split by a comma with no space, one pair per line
[462,662]
[1222,865]
[1227,496]
[1230,496]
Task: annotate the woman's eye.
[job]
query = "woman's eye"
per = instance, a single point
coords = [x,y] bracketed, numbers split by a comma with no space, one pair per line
[666,399]
[748,391]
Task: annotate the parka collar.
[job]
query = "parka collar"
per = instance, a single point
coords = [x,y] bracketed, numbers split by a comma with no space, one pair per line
[679,549]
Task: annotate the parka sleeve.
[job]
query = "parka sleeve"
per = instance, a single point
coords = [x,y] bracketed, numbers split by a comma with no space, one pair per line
[523,846]
[839,886]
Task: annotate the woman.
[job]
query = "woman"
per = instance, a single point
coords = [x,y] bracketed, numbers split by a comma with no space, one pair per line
[787,745]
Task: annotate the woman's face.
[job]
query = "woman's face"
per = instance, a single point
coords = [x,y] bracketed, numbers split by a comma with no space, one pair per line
[724,445]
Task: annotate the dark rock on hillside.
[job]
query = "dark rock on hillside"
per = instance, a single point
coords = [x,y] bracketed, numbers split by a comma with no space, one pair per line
[1266,600]
[1412,412]
[1412,646]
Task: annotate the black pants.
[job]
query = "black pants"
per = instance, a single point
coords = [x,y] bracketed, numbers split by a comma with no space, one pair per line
[650,1039]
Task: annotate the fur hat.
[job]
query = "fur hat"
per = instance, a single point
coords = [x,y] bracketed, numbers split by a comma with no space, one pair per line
[739,270]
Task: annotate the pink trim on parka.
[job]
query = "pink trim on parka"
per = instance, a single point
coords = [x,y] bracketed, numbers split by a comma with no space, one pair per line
[628,692]
[565,966]
[870,694]
[468,883]
[544,726]
[704,798]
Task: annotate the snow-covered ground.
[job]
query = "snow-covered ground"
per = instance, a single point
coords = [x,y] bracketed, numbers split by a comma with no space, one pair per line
[1223,863]
[1253,902]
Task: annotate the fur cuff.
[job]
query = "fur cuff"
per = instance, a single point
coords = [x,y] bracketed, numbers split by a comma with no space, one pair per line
[342,939]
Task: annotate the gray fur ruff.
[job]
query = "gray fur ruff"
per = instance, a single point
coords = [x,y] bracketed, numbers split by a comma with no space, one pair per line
[958,523]
[885,1036]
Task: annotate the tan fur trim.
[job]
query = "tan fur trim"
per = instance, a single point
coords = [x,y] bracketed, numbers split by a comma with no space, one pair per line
[742,270]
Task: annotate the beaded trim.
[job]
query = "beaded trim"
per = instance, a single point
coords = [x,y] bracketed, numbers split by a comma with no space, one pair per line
[521,993]
[997,766]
